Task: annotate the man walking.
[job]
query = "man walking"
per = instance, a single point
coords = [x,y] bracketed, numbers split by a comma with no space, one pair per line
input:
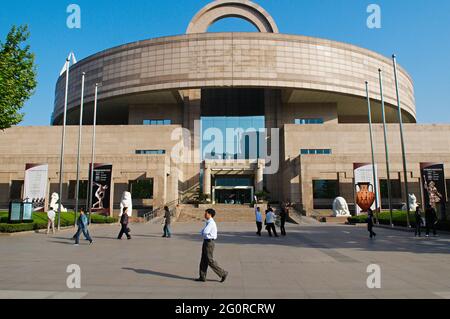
[270,222]
[284,214]
[430,220]
[209,234]
[82,227]
[259,221]
[124,221]
[418,217]
[167,222]
[370,224]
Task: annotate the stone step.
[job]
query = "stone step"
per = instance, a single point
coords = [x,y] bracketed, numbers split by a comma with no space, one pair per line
[225,213]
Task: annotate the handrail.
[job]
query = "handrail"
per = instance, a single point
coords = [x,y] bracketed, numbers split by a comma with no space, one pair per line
[154,213]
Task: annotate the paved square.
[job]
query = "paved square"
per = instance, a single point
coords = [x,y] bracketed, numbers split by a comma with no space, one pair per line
[311,262]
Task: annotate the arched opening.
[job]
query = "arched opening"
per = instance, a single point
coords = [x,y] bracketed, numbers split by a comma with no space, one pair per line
[242,9]
[232,24]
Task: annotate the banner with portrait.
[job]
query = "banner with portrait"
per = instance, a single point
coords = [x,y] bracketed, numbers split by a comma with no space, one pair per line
[101,188]
[363,173]
[35,186]
[433,187]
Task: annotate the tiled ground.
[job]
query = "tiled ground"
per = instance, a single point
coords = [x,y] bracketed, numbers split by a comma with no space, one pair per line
[312,262]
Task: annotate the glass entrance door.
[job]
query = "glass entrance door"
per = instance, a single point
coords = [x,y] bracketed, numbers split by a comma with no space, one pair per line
[233,196]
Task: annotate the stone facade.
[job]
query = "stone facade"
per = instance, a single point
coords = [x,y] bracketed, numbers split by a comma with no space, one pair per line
[164,78]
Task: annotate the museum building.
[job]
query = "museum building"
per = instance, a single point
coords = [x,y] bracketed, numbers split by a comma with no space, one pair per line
[299,99]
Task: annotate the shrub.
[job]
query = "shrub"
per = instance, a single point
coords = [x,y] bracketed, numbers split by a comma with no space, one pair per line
[398,219]
[40,222]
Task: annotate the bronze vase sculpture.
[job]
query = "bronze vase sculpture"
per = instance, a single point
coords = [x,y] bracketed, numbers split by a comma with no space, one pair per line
[365,197]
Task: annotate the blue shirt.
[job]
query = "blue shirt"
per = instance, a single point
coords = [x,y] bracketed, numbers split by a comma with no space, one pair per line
[258,214]
[210,230]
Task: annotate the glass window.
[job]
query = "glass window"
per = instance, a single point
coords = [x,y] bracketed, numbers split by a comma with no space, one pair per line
[157,122]
[150,152]
[82,190]
[395,189]
[324,193]
[232,137]
[233,181]
[315,151]
[141,189]
[15,192]
[305,121]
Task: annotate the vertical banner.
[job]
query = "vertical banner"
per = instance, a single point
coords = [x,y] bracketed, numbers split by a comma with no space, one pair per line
[35,188]
[101,188]
[433,187]
[363,173]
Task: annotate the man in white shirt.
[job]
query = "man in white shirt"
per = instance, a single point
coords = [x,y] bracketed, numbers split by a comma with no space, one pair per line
[209,234]
[259,220]
[270,222]
[51,221]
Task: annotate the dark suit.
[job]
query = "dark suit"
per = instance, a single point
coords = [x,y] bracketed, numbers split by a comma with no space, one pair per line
[125,229]
[430,218]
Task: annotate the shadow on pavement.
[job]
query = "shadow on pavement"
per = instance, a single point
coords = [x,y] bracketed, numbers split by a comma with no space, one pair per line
[157,273]
[333,237]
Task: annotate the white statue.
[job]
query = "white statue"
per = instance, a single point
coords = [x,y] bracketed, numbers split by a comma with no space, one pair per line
[340,208]
[54,203]
[126,201]
[413,204]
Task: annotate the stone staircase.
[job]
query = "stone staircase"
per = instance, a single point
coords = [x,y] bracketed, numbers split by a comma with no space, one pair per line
[225,213]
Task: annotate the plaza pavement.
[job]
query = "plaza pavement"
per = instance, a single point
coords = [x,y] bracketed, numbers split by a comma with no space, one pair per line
[314,261]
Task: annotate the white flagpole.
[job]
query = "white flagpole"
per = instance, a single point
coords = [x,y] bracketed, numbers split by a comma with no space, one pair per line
[375,181]
[91,178]
[388,174]
[61,162]
[402,140]
[77,190]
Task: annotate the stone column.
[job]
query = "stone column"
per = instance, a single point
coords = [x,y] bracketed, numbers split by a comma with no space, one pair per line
[259,178]
[207,181]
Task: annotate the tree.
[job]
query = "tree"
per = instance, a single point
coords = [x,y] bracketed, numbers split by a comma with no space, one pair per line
[17,76]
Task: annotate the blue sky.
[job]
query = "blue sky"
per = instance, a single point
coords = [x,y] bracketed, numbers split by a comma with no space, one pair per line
[417,30]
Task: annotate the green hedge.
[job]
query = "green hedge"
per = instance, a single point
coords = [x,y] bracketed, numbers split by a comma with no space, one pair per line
[40,222]
[398,219]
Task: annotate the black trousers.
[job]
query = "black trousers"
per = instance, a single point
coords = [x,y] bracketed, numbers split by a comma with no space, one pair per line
[283,227]
[208,260]
[124,230]
[418,228]
[431,225]
[259,227]
[271,228]
[371,232]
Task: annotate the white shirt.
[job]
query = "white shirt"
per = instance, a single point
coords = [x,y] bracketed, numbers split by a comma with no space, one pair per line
[210,230]
[270,218]
[258,216]
[51,214]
